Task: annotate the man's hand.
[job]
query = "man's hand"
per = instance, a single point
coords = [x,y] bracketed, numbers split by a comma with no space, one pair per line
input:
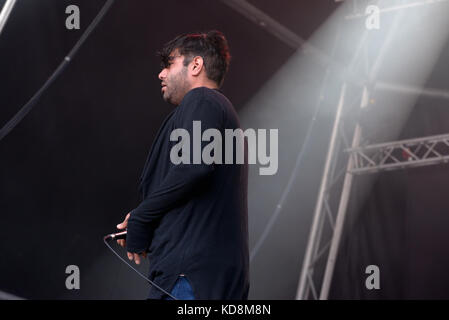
[122,226]
[122,242]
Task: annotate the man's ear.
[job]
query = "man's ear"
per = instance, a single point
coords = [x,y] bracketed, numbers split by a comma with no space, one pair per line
[196,65]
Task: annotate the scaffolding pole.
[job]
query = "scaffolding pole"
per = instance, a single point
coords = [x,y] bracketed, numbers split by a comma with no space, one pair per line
[306,281]
[6,11]
[342,208]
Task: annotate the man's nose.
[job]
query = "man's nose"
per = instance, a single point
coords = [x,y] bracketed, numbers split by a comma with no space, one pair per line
[162,74]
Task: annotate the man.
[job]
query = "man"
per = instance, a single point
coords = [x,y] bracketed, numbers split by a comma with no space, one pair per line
[192,221]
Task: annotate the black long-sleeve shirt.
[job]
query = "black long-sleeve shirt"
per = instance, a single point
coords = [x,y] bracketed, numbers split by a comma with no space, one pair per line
[193,217]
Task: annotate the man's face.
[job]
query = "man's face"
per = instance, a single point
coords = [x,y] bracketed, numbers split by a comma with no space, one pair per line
[174,79]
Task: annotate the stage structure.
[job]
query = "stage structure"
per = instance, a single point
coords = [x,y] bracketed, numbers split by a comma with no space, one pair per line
[362,158]
[344,160]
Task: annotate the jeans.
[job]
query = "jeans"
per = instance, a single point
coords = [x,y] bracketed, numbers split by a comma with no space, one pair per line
[182,290]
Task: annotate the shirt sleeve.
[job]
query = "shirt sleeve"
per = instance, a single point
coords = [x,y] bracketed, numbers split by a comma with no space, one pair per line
[181,180]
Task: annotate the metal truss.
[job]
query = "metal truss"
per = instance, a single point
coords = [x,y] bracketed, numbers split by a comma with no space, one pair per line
[408,89]
[400,154]
[332,202]
[344,161]
[329,214]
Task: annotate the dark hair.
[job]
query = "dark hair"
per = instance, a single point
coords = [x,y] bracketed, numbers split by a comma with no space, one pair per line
[211,46]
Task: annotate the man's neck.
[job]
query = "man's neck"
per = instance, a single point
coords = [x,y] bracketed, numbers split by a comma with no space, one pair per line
[210,85]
